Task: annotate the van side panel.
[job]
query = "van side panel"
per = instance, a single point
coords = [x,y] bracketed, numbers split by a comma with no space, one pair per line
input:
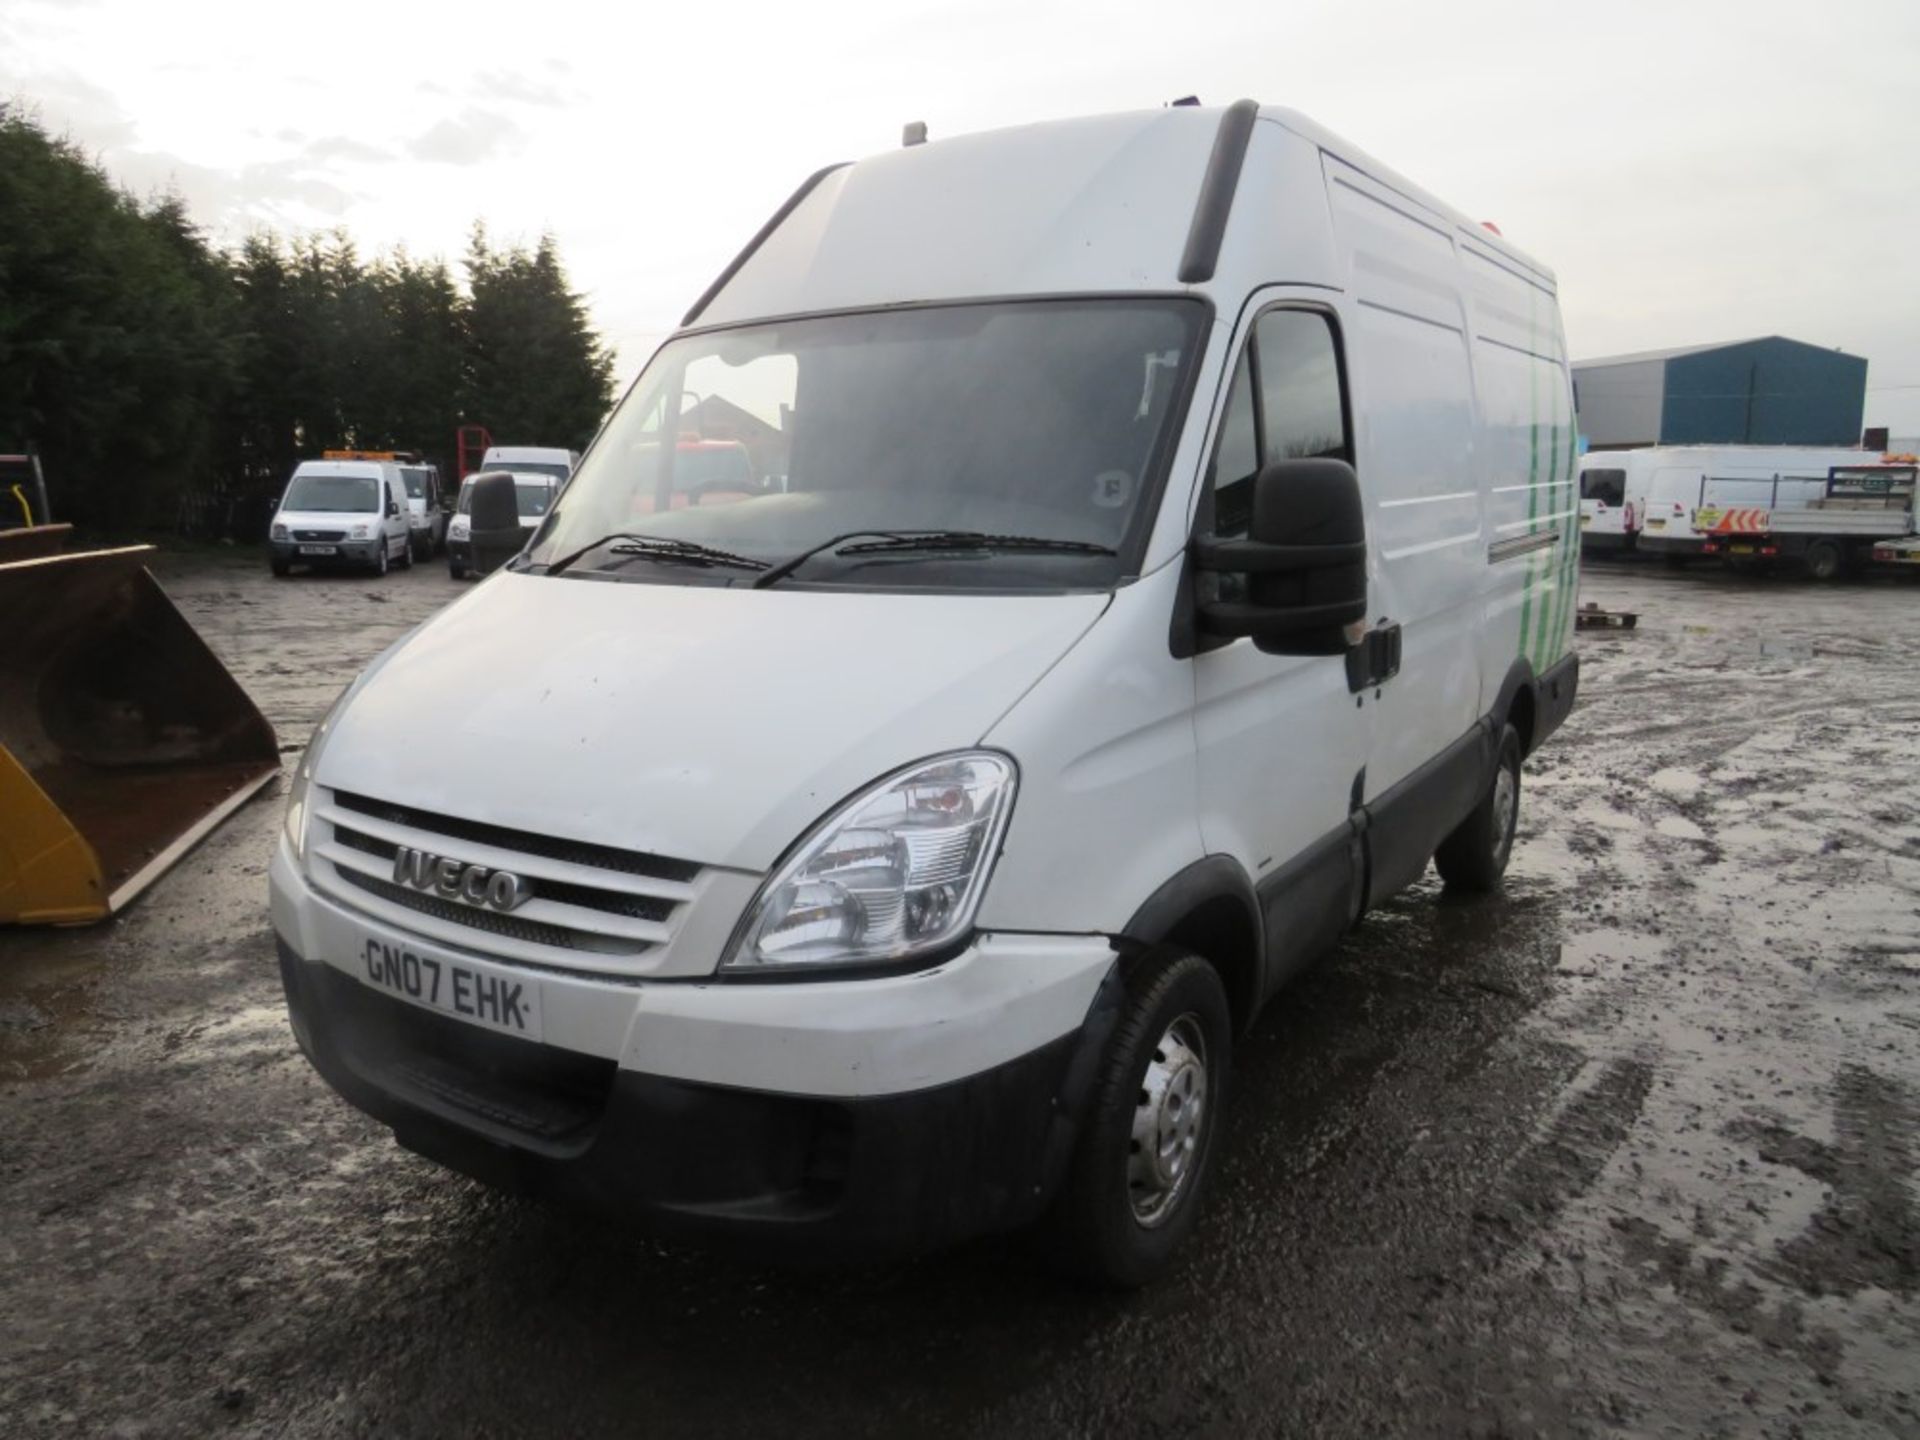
[1525,458]
[1413,406]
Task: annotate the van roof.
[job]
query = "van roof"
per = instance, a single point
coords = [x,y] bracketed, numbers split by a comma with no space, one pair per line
[1105,204]
[366,469]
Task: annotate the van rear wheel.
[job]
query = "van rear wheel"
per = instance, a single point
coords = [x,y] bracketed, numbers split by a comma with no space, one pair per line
[1475,855]
[1146,1147]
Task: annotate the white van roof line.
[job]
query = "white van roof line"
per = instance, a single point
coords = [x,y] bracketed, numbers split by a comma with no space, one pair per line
[1213,204]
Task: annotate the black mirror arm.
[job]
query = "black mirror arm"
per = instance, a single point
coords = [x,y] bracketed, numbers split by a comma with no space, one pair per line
[1222,617]
[1254,557]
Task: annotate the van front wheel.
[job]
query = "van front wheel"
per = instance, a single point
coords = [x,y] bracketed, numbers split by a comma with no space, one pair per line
[1475,855]
[1146,1147]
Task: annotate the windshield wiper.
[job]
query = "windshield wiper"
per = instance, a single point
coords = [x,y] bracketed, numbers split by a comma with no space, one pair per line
[660,547]
[898,542]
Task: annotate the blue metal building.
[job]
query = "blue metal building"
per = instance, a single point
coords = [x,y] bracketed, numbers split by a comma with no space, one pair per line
[1768,391]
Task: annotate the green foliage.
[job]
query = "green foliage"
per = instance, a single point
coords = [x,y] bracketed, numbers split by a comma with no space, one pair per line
[143,363]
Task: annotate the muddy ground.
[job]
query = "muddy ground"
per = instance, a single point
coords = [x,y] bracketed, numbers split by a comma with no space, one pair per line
[1627,1150]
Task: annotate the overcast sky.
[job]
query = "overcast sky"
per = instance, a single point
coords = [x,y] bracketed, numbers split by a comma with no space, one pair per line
[1694,170]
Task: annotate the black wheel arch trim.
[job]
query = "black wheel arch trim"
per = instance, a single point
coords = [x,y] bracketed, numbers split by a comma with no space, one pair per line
[1207,881]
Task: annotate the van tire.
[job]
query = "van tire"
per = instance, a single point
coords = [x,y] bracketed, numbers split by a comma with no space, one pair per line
[406,555]
[456,572]
[280,567]
[1475,855]
[1176,1014]
[380,559]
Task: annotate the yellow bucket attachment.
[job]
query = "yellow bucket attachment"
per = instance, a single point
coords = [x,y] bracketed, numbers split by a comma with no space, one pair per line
[123,739]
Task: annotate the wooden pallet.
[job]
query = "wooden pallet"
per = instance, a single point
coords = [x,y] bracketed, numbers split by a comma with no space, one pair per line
[1591,617]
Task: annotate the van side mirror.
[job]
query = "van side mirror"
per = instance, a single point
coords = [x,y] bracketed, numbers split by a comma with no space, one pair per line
[393,507]
[1305,560]
[494,511]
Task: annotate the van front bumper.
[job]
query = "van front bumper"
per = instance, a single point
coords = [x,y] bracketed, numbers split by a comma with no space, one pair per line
[828,1120]
[346,552]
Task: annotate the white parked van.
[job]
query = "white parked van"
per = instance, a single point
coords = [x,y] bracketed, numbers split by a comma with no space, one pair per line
[531,460]
[1613,497]
[1697,491]
[426,507]
[1176,551]
[341,512]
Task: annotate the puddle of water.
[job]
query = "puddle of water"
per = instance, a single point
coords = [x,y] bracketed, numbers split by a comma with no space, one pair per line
[46,999]
[1606,954]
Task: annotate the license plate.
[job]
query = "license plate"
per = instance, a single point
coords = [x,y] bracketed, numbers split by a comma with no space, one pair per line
[1585,520]
[1740,549]
[478,994]
[1656,524]
[319,549]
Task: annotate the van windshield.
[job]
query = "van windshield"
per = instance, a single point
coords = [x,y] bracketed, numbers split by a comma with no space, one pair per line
[341,493]
[416,483]
[531,497]
[1047,420]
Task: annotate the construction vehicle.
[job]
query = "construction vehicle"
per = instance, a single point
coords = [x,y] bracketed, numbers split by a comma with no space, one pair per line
[123,739]
[1866,508]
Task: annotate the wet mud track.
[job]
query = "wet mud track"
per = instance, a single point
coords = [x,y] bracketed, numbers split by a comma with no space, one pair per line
[1629,1149]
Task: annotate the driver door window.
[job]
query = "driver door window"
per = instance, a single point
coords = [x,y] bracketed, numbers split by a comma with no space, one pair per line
[1286,403]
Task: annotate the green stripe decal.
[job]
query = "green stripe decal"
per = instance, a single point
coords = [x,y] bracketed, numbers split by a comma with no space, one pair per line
[1533,475]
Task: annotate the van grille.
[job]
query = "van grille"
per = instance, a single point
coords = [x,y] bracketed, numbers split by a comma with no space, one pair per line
[589,907]
[319,534]
[575,852]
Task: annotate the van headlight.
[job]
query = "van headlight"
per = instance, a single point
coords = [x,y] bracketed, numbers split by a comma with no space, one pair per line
[361,532]
[295,822]
[458,527]
[279,532]
[896,872]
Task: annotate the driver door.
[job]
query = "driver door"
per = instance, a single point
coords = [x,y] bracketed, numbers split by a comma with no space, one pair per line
[1282,741]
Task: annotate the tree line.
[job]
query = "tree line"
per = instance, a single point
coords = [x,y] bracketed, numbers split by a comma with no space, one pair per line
[153,370]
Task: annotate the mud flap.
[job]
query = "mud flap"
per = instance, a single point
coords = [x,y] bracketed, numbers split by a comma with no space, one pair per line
[123,739]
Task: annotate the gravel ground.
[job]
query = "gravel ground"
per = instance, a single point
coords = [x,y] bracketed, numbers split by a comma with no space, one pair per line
[1629,1149]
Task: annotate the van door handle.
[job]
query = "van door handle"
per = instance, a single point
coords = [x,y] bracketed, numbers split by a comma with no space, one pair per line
[1376,659]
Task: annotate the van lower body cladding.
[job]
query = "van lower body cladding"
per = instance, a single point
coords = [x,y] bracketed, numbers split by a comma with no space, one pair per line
[821,1120]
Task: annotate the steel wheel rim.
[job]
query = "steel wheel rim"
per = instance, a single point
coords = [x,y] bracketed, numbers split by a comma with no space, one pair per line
[1506,797]
[1169,1122]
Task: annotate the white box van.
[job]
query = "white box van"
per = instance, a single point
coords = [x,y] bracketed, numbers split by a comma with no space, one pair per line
[342,512]
[1694,491]
[1613,498]
[896,854]
[427,509]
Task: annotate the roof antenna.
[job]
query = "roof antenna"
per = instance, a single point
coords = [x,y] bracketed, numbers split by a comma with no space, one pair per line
[913,133]
[1184,100]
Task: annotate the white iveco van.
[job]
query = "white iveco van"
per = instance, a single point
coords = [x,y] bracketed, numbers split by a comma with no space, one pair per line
[1176,552]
